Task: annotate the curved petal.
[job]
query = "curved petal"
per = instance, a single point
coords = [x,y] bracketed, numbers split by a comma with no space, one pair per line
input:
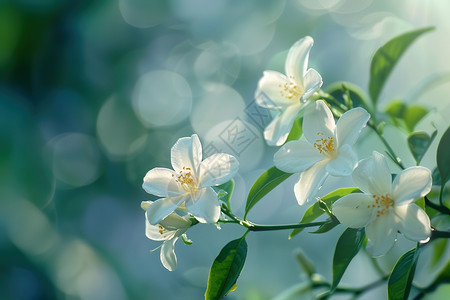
[310,182]
[161,208]
[350,124]
[312,83]
[381,234]
[297,59]
[217,169]
[157,232]
[270,92]
[296,157]
[277,131]
[318,122]
[175,222]
[187,153]
[372,175]
[204,205]
[412,222]
[354,210]
[168,257]
[411,184]
[161,182]
[344,163]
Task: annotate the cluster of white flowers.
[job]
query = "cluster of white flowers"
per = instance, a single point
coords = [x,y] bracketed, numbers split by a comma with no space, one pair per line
[383,208]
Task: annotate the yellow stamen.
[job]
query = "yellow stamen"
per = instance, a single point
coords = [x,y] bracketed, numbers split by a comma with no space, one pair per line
[186,180]
[382,203]
[324,144]
[291,90]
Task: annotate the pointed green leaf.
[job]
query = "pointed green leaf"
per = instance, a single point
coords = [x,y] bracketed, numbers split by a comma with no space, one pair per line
[443,156]
[226,269]
[264,184]
[396,109]
[314,211]
[343,90]
[305,263]
[347,247]
[296,131]
[413,115]
[399,283]
[327,226]
[227,188]
[418,143]
[386,57]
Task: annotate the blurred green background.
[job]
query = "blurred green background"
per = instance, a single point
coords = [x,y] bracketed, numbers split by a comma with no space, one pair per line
[94,93]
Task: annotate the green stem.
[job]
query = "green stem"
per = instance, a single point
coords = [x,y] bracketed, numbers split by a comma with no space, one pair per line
[354,291]
[435,234]
[256,227]
[397,159]
[439,208]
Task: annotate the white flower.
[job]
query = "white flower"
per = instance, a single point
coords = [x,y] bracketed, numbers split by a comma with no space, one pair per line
[288,94]
[385,206]
[326,151]
[168,230]
[189,183]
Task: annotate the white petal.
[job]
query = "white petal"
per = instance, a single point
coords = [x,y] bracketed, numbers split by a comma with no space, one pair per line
[161,208]
[372,175]
[217,169]
[318,122]
[175,222]
[344,163]
[145,204]
[278,130]
[168,257]
[411,184]
[161,182]
[296,157]
[187,152]
[156,233]
[350,124]
[270,92]
[413,222]
[204,205]
[381,234]
[312,83]
[310,182]
[354,210]
[297,59]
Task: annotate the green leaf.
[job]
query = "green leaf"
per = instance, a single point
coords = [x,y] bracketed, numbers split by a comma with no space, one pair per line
[437,251]
[386,57]
[305,263]
[327,226]
[343,90]
[296,130]
[396,109]
[314,211]
[413,115]
[399,283]
[443,156]
[418,143]
[227,188]
[264,184]
[347,247]
[226,269]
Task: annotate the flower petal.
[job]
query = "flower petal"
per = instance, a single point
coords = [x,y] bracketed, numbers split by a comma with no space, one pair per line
[381,234]
[277,131]
[350,124]
[354,210]
[296,157]
[187,152]
[310,182]
[156,233]
[145,204]
[167,256]
[413,222]
[217,169]
[411,184]
[270,91]
[161,182]
[312,83]
[176,222]
[344,163]
[161,208]
[372,175]
[318,119]
[204,205]
[297,59]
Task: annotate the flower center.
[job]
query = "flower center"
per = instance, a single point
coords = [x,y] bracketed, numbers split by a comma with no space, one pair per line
[186,180]
[324,144]
[161,229]
[290,90]
[382,203]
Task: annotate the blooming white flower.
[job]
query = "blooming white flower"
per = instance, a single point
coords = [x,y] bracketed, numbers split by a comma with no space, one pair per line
[190,182]
[168,230]
[327,149]
[385,206]
[288,94]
